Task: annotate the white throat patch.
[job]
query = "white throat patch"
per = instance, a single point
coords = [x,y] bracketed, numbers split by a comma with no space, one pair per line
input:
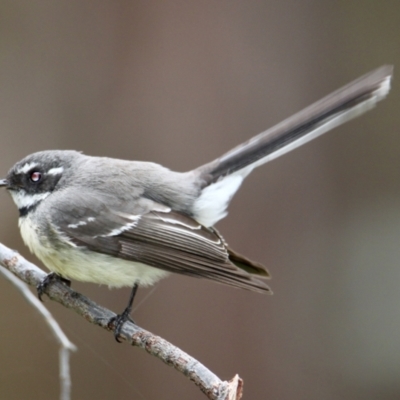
[25,200]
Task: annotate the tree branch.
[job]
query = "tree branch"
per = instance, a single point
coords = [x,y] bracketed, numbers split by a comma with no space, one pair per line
[208,382]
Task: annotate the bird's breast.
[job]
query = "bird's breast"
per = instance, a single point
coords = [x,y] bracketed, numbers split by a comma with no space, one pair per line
[79,263]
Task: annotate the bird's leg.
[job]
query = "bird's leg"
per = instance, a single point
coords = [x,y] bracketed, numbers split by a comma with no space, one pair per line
[119,320]
[49,279]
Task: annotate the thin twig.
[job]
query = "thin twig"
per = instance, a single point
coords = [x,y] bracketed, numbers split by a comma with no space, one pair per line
[66,345]
[207,381]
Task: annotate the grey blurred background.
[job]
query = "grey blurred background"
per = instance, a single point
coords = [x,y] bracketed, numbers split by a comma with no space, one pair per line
[179,83]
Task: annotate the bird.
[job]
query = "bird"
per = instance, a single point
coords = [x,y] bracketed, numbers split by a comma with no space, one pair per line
[130,223]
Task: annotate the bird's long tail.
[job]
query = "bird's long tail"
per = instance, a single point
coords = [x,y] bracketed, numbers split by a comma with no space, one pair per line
[223,176]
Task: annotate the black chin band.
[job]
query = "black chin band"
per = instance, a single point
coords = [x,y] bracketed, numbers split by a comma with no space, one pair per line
[24,211]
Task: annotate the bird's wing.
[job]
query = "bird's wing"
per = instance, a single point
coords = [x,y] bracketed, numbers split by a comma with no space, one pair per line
[155,235]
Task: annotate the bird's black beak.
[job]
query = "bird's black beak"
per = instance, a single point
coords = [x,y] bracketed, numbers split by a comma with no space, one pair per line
[3,182]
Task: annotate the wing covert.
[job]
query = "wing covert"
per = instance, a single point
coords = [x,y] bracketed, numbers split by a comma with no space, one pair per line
[155,235]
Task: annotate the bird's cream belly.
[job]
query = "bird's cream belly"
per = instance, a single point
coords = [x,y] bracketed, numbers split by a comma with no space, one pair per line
[80,264]
[98,268]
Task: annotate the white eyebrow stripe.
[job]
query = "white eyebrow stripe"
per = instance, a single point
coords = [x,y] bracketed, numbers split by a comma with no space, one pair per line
[26,168]
[55,171]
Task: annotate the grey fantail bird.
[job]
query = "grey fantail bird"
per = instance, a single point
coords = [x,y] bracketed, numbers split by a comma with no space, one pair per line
[130,223]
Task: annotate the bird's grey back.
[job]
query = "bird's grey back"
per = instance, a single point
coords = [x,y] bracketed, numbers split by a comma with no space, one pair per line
[128,180]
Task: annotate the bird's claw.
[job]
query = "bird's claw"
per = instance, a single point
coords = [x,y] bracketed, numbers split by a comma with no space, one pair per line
[117,322]
[49,279]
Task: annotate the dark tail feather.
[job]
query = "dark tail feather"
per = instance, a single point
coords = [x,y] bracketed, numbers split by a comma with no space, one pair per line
[342,105]
[252,267]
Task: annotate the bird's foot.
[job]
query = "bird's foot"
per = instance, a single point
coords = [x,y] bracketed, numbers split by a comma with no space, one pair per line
[118,321]
[48,280]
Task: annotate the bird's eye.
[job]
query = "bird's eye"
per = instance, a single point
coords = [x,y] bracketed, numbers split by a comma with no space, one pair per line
[35,176]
